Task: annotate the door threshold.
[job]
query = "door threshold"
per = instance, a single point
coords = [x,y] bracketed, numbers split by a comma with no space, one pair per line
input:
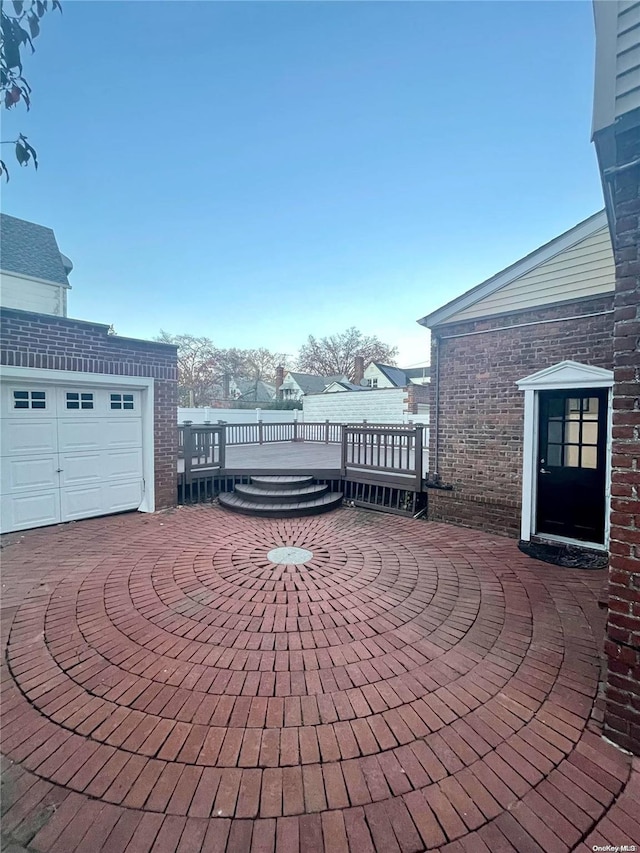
[565,540]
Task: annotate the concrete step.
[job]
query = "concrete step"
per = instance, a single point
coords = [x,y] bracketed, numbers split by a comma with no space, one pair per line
[257,494]
[234,502]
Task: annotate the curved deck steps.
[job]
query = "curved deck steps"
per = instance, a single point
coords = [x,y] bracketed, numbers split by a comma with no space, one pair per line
[281,497]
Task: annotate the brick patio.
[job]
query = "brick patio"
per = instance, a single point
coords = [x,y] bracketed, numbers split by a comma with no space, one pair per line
[412,686]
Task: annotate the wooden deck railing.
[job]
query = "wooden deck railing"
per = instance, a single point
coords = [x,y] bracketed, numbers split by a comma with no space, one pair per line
[200,448]
[366,448]
[380,448]
[269,433]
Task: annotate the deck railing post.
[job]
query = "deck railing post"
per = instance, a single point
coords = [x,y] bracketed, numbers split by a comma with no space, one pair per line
[295,429]
[326,431]
[222,438]
[260,432]
[343,462]
[188,452]
[417,454]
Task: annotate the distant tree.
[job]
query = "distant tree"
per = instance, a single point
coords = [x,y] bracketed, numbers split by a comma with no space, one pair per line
[336,354]
[262,364]
[233,362]
[17,30]
[202,367]
[198,368]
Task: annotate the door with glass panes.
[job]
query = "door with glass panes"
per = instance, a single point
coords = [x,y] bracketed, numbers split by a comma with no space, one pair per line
[572,460]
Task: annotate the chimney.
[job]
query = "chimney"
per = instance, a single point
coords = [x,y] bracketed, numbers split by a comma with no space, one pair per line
[279,381]
[358,371]
[225,386]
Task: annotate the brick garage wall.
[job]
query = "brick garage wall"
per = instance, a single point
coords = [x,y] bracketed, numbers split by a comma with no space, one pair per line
[58,343]
[622,710]
[481,410]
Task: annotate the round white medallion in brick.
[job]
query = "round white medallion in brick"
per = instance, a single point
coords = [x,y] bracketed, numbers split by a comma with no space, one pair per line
[290,556]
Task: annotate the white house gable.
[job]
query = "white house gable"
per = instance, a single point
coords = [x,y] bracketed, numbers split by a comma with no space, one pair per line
[586,269]
[576,265]
[375,378]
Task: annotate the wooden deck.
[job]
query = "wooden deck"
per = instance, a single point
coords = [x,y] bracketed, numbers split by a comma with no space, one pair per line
[281,456]
[284,455]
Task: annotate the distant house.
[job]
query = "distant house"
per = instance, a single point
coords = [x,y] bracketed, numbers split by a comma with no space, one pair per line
[521,394]
[251,390]
[88,417]
[33,271]
[379,375]
[345,385]
[297,385]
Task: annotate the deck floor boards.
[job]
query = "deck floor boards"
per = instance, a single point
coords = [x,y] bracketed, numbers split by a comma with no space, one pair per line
[281,455]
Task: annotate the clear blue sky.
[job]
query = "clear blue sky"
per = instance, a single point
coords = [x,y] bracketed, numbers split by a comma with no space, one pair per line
[259,171]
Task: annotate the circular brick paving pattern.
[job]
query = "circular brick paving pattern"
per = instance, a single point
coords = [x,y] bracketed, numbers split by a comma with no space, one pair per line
[383,681]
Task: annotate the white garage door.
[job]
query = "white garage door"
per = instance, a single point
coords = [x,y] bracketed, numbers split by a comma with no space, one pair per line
[68,453]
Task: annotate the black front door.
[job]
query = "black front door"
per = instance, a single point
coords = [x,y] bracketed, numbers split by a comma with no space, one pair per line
[572,462]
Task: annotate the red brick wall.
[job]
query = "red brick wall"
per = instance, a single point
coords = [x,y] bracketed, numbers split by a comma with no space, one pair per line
[416,394]
[481,411]
[622,712]
[57,343]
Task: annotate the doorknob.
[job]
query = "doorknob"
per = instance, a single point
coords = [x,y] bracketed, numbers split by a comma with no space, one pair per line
[58,470]
[544,471]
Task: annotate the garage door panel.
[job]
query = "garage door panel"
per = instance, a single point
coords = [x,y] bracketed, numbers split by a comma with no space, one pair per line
[28,436]
[24,511]
[81,502]
[121,496]
[81,468]
[125,432]
[123,464]
[80,434]
[100,499]
[100,466]
[29,473]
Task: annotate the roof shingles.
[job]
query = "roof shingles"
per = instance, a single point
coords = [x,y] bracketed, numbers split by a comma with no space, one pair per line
[31,250]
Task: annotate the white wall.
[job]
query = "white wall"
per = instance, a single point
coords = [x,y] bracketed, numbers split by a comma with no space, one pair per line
[238,416]
[28,294]
[384,406]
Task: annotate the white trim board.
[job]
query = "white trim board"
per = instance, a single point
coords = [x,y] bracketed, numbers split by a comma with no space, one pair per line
[88,380]
[564,375]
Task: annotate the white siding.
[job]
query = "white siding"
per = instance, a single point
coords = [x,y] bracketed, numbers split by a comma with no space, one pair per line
[628,58]
[617,78]
[386,406]
[30,295]
[586,269]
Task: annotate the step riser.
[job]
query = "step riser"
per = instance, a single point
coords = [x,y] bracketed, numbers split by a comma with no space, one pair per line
[281,485]
[270,496]
[269,512]
[282,496]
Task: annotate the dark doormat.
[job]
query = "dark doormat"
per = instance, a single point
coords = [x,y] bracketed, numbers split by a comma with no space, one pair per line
[567,556]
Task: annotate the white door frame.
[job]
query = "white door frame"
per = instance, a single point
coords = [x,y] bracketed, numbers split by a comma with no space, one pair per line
[562,376]
[101,380]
